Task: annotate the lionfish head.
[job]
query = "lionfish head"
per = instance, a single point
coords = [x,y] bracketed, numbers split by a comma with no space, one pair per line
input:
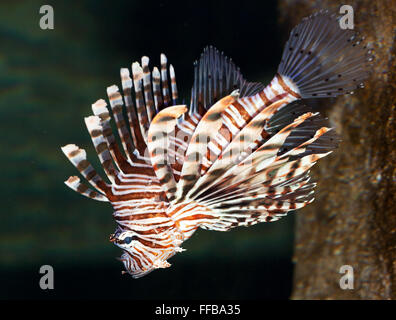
[124,239]
[143,255]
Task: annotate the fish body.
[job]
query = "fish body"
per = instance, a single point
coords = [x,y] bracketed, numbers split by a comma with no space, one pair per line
[239,154]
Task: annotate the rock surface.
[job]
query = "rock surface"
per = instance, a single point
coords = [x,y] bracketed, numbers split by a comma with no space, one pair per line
[353,218]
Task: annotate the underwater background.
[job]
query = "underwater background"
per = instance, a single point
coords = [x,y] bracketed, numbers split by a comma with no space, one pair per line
[48,81]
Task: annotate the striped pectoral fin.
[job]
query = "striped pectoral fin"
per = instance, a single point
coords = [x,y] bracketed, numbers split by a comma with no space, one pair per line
[262,166]
[241,183]
[162,124]
[237,149]
[265,155]
[296,199]
[240,217]
[206,129]
[264,187]
[249,209]
[262,193]
[75,184]
[265,204]
[294,168]
[282,169]
[303,146]
[258,167]
[271,147]
[268,184]
[278,169]
[78,158]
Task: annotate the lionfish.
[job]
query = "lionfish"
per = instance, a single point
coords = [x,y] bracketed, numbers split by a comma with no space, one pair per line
[240,154]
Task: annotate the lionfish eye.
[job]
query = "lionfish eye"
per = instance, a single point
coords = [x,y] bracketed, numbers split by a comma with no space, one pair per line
[128,240]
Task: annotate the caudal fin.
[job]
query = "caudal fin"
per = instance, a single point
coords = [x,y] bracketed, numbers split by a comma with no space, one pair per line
[323,60]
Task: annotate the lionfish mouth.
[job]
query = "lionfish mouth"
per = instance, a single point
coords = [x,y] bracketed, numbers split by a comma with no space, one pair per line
[137,269]
[113,238]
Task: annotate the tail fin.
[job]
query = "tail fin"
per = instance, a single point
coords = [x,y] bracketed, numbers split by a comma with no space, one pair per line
[323,60]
